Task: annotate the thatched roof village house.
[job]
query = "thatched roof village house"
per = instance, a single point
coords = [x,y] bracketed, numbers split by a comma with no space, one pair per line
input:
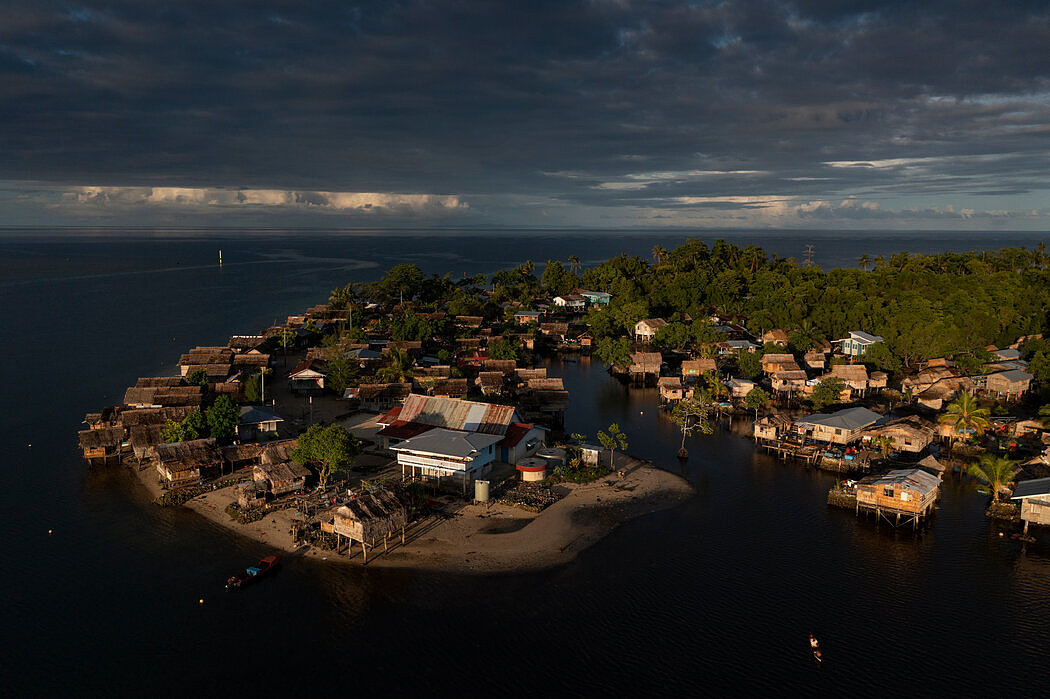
[101,443]
[776,337]
[282,477]
[491,383]
[184,463]
[164,396]
[671,388]
[842,427]
[909,434]
[786,380]
[692,368]
[526,317]
[770,428]
[557,331]
[772,363]
[645,330]
[855,376]
[814,360]
[370,517]
[643,363]
[379,397]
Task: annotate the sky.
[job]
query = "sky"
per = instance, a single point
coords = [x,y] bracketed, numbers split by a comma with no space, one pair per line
[592,114]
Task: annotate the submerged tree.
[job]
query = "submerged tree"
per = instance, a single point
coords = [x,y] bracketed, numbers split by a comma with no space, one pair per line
[612,440]
[756,398]
[691,415]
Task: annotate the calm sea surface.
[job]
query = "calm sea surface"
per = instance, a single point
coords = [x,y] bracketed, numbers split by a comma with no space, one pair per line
[716,595]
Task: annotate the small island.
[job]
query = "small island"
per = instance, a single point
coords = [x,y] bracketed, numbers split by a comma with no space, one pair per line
[405,422]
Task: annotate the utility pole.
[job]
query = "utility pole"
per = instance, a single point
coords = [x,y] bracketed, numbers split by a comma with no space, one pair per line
[809,255]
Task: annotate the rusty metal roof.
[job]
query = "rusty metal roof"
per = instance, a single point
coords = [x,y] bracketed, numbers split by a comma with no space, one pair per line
[456,414]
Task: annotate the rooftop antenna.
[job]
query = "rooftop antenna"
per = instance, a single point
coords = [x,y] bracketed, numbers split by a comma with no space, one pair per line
[809,256]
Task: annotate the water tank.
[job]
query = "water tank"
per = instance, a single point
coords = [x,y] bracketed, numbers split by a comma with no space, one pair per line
[554,457]
[481,491]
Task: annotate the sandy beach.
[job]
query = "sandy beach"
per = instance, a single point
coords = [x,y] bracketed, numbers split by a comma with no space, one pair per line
[489,537]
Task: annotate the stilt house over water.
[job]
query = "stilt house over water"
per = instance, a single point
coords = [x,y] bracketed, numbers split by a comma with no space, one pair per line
[910,494]
[370,517]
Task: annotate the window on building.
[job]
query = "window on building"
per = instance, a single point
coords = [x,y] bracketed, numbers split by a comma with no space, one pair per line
[888,491]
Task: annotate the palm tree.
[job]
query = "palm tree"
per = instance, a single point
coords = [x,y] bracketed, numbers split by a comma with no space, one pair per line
[659,254]
[574,264]
[993,470]
[964,414]
[400,366]
[864,262]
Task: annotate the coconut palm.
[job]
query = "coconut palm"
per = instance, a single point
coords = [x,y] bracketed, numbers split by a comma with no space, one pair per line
[659,254]
[400,367]
[993,470]
[964,414]
[574,264]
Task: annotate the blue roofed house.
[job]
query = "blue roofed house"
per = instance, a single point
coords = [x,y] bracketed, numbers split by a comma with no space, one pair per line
[600,298]
[858,343]
[258,421]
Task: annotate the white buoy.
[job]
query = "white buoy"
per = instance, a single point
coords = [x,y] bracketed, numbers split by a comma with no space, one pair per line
[201,601]
[220,258]
[49,532]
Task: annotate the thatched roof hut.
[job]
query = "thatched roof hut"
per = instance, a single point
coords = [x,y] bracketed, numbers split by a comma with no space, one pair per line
[100,443]
[369,517]
[283,477]
[646,363]
[182,463]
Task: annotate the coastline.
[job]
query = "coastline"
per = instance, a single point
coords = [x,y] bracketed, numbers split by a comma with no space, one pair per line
[486,537]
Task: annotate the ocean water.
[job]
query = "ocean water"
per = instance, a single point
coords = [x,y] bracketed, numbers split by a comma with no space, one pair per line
[716,595]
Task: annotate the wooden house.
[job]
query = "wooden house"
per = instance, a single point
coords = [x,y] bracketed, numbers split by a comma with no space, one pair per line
[585,339]
[771,428]
[778,362]
[380,397]
[814,360]
[102,443]
[491,383]
[258,421]
[252,494]
[185,463]
[855,376]
[776,337]
[507,366]
[841,427]
[643,363]
[671,388]
[282,477]
[525,375]
[527,317]
[1008,384]
[693,368]
[878,380]
[596,298]
[556,331]
[645,330]
[857,343]
[159,382]
[144,438]
[450,388]
[575,303]
[370,517]
[908,493]
[251,360]
[739,388]
[162,396]
[786,380]
[307,377]
[205,357]
[910,434]
[447,456]
[1034,496]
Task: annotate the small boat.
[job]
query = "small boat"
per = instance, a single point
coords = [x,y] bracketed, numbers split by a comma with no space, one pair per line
[252,573]
[814,645]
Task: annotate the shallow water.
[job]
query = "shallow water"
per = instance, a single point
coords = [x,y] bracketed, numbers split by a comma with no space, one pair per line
[717,594]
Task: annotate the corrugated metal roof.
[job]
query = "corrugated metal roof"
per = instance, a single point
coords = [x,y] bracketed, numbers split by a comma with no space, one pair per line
[1032,488]
[913,478]
[848,419]
[445,442]
[458,414]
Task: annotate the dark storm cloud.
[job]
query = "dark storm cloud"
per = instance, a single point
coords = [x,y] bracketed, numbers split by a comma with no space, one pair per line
[570,101]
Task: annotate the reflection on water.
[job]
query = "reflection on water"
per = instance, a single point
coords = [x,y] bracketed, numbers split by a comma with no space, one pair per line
[719,592]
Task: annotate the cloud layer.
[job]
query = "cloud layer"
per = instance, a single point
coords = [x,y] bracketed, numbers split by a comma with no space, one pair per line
[594,112]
